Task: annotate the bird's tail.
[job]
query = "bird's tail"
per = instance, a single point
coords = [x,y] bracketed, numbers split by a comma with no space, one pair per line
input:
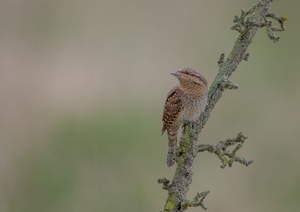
[172,140]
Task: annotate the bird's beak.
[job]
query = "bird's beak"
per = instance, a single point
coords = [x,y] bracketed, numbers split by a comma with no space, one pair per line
[176,74]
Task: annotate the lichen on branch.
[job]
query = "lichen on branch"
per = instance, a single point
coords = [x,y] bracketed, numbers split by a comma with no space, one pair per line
[227,157]
[247,24]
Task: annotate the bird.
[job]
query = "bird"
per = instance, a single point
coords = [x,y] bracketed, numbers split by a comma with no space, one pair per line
[185,102]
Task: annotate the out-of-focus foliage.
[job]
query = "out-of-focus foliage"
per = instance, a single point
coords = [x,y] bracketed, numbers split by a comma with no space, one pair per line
[82,89]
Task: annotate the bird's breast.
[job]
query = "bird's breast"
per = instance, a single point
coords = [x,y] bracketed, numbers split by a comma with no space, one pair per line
[193,108]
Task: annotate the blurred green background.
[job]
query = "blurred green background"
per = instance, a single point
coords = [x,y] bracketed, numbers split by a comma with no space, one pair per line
[82,89]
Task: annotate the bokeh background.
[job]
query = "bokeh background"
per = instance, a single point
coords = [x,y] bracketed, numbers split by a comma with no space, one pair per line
[82,89]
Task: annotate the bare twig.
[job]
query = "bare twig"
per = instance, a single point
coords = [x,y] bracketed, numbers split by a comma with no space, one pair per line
[247,24]
[221,59]
[197,201]
[227,157]
[165,182]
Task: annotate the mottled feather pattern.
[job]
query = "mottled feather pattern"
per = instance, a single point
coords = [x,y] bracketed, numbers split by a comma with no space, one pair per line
[185,102]
[172,109]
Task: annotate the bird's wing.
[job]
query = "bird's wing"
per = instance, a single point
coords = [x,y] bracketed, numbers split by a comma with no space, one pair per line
[172,109]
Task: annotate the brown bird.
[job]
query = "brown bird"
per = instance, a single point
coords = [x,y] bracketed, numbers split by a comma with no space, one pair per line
[185,102]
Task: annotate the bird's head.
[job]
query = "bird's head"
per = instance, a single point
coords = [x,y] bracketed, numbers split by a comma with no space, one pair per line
[191,81]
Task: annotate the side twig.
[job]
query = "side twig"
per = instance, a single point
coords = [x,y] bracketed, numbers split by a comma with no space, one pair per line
[247,24]
[227,157]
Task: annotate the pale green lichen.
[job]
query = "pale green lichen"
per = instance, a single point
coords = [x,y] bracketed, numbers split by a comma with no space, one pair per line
[171,203]
[247,24]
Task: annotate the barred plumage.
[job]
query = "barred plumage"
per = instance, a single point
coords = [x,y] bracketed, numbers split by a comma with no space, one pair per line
[185,102]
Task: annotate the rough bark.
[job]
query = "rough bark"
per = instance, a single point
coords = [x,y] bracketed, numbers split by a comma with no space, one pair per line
[247,24]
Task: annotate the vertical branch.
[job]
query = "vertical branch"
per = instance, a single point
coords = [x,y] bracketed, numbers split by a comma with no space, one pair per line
[247,25]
